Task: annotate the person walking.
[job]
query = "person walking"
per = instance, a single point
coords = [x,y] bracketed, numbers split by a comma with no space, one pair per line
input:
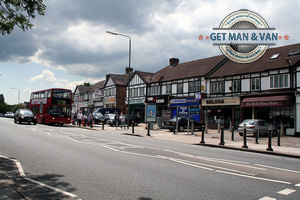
[74,118]
[122,118]
[90,120]
[79,118]
[117,120]
[85,120]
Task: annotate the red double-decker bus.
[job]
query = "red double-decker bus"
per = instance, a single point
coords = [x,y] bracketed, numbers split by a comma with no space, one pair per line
[52,106]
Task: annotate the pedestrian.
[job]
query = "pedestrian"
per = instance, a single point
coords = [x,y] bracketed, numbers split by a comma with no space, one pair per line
[90,120]
[74,118]
[122,118]
[117,120]
[85,120]
[79,118]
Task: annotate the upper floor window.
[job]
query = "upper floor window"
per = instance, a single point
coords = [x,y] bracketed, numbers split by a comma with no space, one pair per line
[154,90]
[255,84]
[236,86]
[142,91]
[180,88]
[218,87]
[194,86]
[279,81]
[169,89]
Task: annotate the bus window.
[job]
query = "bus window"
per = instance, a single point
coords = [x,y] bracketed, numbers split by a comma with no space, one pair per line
[42,94]
[49,93]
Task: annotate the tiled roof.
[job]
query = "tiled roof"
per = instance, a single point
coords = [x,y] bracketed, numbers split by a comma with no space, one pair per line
[263,64]
[188,70]
[119,79]
[97,86]
[146,76]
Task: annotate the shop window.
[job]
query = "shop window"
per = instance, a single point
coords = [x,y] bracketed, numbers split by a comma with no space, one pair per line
[255,84]
[236,86]
[279,81]
[194,86]
[217,87]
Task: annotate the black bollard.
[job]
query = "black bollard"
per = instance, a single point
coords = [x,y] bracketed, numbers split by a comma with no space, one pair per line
[269,140]
[232,133]
[102,125]
[256,136]
[222,136]
[278,138]
[132,125]
[202,136]
[245,137]
[148,129]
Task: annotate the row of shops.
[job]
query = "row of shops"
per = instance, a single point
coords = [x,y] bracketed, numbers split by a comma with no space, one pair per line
[276,109]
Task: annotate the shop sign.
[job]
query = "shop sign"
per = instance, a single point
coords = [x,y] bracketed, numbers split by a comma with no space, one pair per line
[183,111]
[99,104]
[158,99]
[81,105]
[221,102]
[151,113]
[110,100]
[136,101]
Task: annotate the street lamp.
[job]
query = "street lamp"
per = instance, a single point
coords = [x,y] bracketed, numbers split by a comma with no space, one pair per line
[18,95]
[128,68]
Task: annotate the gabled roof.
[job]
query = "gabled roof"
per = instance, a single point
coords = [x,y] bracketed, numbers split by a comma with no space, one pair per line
[117,79]
[261,65]
[81,89]
[188,70]
[145,76]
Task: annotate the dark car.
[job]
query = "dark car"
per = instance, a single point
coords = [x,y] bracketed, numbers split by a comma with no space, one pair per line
[182,124]
[98,117]
[133,118]
[24,115]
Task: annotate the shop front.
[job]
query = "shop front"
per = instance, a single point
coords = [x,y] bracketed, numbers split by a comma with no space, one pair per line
[110,103]
[137,107]
[221,110]
[274,109]
[189,105]
[161,102]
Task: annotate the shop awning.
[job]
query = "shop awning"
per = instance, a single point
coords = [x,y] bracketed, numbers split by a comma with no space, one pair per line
[270,101]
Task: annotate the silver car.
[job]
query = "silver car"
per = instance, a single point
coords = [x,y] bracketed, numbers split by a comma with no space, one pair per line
[253,125]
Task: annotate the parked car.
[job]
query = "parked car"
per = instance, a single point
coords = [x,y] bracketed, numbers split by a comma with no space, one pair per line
[24,115]
[98,117]
[109,118]
[104,111]
[9,114]
[182,124]
[252,126]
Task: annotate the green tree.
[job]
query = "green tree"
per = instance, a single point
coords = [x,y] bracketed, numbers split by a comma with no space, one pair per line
[18,106]
[4,108]
[86,84]
[1,98]
[18,13]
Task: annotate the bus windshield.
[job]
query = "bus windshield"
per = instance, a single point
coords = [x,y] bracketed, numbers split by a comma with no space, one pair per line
[59,111]
[62,97]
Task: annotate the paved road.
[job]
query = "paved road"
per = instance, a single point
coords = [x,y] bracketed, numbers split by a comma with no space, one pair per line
[49,162]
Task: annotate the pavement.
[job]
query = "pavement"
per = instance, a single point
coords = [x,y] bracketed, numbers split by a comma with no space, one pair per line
[289,146]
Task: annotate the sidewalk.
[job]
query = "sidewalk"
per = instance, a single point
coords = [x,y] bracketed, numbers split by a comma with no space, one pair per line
[289,145]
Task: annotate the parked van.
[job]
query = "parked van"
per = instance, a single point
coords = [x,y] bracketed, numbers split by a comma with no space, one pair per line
[104,111]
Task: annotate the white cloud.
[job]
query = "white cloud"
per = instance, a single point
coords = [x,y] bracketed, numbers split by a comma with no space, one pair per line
[46,76]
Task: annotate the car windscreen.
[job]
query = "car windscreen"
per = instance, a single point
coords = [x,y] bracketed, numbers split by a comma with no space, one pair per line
[26,112]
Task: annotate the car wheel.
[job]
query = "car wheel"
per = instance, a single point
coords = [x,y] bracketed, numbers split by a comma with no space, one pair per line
[181,128]
[241,134]
[15,121]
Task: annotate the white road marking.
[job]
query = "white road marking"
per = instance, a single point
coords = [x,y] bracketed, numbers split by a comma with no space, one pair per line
[253,177]
[20,168]
[287,170]
[52,188]
[267,198]
[286,191]
[297,185]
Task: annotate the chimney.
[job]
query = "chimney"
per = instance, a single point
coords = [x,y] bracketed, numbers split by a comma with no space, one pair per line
[173,62]
[127,70]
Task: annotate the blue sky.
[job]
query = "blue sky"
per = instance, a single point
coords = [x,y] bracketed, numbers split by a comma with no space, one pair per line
[69,45]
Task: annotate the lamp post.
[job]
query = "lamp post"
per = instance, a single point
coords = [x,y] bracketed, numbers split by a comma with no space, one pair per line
[128,69]
[18,95]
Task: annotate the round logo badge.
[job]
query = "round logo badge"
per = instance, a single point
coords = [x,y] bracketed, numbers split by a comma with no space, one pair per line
[243,20]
